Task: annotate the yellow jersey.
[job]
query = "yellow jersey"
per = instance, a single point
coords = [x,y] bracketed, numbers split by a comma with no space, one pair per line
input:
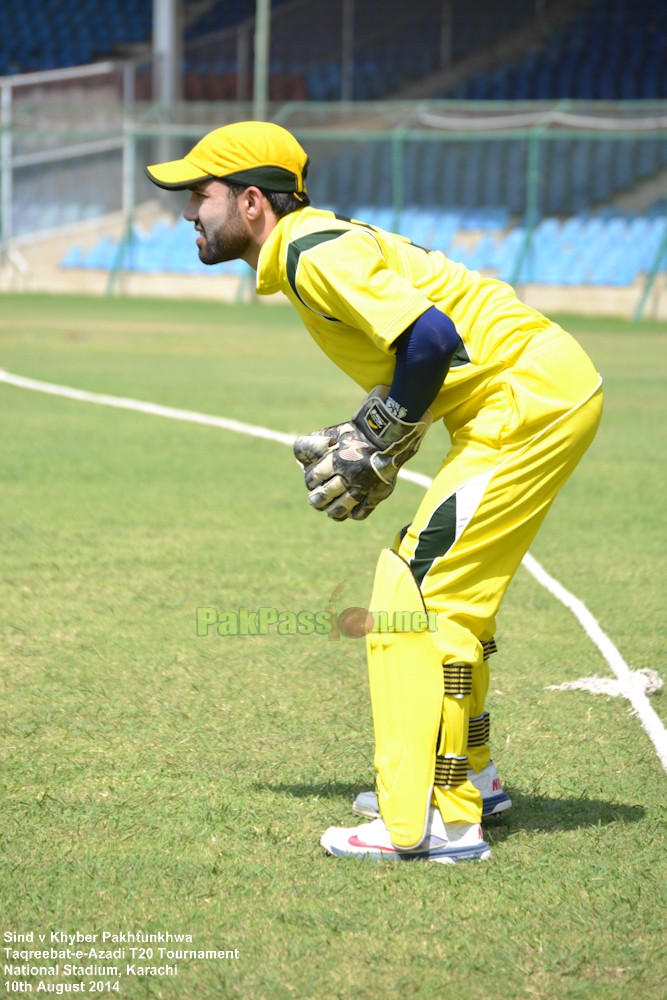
[357,288]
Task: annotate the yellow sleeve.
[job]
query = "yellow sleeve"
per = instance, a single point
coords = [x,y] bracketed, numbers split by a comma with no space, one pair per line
[344,276]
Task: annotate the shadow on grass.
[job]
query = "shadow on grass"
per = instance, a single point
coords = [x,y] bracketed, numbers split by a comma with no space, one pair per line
[530,812]
[536,813]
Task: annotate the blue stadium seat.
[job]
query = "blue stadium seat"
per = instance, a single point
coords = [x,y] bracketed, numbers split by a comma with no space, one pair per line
[144,255]
[506,251]
[445,225]
[418,225]
[381,216]
[74,257]
[482,253]
[103,255]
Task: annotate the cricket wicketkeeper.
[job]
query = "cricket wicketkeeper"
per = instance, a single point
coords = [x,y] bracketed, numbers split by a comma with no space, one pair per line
[427,340]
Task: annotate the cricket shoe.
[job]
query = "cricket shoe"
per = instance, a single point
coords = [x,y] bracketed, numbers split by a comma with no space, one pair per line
[444,842]
[494,798]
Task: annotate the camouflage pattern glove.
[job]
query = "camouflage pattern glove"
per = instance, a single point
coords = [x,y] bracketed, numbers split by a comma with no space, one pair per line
[349,468]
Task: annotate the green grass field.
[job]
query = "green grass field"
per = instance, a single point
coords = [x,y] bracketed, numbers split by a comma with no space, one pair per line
[154,781]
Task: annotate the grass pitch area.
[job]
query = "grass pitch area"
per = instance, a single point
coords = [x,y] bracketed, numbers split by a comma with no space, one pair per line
[156,782]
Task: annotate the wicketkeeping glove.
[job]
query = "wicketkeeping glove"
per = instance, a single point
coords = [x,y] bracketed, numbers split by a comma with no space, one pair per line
[349,468]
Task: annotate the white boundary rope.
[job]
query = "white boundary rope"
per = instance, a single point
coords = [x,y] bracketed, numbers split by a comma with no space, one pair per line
[630,684]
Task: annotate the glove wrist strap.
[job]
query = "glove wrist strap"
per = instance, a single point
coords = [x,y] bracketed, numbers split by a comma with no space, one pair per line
[380,425]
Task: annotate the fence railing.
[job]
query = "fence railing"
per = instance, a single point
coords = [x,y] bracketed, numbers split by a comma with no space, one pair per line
[73,153]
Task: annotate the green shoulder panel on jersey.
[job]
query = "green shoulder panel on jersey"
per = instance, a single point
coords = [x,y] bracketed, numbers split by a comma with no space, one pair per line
[302,245]
[460,356]
[311,240]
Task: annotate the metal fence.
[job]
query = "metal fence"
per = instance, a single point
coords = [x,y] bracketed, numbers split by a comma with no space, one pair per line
[76,152]
[513,172]
[62,136]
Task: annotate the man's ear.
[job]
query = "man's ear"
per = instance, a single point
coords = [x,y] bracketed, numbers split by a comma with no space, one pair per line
[253,202]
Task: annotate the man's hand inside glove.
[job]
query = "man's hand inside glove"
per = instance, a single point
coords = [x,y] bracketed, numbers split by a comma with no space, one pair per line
[349,468]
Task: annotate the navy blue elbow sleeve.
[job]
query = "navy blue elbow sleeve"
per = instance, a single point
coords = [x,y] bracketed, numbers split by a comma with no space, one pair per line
[423,355]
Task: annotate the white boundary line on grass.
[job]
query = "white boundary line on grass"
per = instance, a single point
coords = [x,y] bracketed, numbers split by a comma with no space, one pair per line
[630,683]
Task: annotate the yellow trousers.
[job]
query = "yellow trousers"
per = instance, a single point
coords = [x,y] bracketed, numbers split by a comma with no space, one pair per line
[510,454]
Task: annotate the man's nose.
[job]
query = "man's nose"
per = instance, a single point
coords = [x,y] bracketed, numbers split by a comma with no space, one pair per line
[190,212]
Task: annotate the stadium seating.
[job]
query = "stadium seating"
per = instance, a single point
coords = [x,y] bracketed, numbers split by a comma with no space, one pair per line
[222,14]
[611,249]
[610,50]
[51,34]
[166,248]
[575,175]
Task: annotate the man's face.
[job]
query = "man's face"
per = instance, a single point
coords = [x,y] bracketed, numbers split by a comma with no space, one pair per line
[223,234]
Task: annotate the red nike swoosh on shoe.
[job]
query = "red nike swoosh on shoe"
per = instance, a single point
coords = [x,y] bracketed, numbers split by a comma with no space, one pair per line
[354,841]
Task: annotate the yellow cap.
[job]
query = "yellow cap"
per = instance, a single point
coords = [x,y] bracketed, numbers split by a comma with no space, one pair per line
[258,153]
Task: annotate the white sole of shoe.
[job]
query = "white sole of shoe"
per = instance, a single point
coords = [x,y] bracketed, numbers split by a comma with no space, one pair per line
[447,855]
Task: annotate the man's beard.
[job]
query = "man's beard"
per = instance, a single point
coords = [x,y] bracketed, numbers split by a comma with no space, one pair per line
[228,245]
